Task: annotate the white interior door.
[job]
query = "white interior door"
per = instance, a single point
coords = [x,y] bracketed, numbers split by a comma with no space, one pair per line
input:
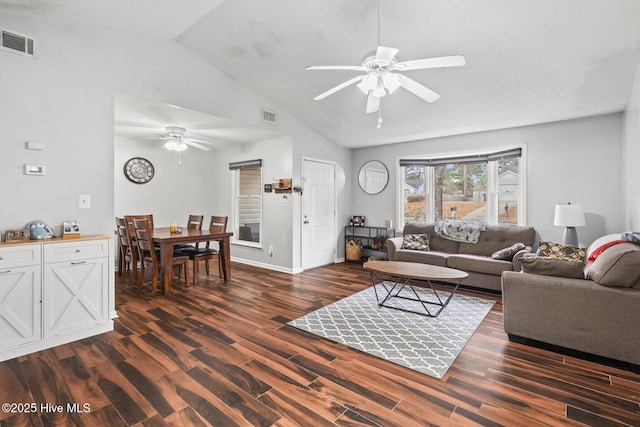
[318,214]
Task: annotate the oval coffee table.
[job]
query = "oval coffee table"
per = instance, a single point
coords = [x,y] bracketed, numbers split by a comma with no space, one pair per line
[412,275]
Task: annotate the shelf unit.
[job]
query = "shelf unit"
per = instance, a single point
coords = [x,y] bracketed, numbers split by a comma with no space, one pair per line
[372,240]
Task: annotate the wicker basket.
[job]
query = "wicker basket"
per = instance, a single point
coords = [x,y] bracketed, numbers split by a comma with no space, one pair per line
[353,251]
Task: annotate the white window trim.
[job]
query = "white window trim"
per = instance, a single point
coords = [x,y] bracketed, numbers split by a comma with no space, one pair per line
[492,214]
[234,205]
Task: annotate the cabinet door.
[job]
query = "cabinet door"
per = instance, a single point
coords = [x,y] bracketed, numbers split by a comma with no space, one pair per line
[75,295]
[20,307]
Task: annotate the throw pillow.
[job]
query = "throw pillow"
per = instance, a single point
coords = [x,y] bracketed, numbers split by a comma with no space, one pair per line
[557,250]
[616,266]
[507,254]
[418,242]
[547,266]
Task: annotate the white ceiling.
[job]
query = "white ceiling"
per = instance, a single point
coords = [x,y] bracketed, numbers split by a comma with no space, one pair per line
[528,61]
[144,120]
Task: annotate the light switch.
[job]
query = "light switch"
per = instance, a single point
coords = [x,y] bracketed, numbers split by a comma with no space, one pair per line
[33,169]
[84,201]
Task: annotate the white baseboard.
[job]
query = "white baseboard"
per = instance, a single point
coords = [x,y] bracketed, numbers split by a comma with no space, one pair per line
[267,266]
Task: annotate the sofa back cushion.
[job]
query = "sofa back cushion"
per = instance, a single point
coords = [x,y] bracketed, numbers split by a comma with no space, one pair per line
[616,266]
[497,237]
[436,243]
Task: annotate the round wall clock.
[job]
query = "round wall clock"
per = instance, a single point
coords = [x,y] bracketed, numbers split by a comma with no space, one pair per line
[138,170]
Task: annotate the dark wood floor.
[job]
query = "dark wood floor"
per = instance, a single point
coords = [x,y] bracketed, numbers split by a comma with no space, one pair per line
[220,354]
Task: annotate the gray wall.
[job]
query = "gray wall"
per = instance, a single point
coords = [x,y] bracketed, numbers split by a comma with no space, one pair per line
[65,99]
[630,156]
[575,160]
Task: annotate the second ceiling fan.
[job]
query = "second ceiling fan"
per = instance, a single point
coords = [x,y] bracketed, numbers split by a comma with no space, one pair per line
[382,74]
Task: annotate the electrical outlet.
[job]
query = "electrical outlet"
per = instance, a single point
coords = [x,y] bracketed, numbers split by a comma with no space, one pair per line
[84,201]
[270,251]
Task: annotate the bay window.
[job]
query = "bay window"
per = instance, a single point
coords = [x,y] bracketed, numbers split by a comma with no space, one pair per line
[479,187]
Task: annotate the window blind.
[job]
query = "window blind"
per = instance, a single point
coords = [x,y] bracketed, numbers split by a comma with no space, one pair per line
[245,164]
[463,160]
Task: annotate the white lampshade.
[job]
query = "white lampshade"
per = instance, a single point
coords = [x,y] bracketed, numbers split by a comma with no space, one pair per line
[568,215]
[368,83]
[171,145]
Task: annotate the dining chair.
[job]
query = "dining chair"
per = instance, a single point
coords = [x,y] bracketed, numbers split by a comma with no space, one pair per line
[127,256]
[196,255]
[149,255]
[194,222]
[131,233]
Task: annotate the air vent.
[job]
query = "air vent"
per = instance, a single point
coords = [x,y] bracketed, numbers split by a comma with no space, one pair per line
[18,43]
[269,116]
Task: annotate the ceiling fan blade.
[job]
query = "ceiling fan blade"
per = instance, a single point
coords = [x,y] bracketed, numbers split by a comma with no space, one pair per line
[340,86]
[418,90]
[336,67]
[373,103]
[190,142]
[384,55]
[420,64]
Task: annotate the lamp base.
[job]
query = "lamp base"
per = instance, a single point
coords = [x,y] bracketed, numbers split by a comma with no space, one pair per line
[570,236]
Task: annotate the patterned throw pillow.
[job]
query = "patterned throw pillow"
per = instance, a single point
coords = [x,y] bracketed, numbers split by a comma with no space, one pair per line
[557,250]
[418,242]
[507,254]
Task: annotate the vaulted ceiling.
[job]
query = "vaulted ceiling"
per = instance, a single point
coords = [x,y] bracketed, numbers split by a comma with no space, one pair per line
[528,61]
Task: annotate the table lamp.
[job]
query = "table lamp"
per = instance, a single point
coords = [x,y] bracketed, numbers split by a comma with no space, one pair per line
[569,216]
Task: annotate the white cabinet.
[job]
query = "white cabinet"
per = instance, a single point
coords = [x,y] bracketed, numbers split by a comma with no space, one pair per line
[54,292]
[20,295]
[75,294]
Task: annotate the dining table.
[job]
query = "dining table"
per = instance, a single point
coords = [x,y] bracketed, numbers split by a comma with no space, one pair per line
[167,239]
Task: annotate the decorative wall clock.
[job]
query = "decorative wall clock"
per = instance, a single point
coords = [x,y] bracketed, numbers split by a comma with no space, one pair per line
[138,170]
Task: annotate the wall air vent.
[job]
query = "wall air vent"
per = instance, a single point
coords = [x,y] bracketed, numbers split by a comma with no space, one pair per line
[11,41]
[269,116]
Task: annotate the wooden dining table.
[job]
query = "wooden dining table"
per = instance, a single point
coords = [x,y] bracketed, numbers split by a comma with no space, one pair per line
[167,239]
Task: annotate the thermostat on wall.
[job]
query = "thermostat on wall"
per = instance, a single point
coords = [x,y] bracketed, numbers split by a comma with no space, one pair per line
[33,169]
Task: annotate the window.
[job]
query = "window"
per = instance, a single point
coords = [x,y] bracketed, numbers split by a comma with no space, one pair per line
[483,187]
[247,202]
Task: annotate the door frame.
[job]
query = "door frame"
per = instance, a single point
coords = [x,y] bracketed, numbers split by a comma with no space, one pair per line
[335,209]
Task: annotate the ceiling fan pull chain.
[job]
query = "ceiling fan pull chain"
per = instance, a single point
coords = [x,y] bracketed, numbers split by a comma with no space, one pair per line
[380,116]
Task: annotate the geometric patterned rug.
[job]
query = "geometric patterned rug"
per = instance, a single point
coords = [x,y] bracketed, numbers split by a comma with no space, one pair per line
[425,344]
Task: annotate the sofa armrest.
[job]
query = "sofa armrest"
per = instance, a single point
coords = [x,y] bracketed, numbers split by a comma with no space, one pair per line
[573,313]
[517,258]
[393,244]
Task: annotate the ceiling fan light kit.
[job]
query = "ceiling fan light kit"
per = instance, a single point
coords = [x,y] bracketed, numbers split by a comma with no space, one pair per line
[380,78]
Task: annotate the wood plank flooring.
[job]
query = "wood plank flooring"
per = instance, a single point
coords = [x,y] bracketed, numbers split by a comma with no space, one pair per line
[220,354]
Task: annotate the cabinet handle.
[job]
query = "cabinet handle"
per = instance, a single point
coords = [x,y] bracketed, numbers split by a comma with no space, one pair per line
[77,251]
[5,272]
[78,262]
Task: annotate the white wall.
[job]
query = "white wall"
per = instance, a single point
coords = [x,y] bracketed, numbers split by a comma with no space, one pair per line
[631,154]
[66,100]
[174,192]
[575,160]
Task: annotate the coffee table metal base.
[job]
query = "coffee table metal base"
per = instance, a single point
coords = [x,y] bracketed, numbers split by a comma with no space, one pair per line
[394,289]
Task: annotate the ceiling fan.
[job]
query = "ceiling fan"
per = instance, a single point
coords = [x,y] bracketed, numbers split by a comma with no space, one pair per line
[176,141]
[382,75]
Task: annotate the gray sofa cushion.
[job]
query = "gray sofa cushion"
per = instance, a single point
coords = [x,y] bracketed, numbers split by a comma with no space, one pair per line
[478,263]
[618,265]
[497,237]
[436,243]
[549,266]
[427,257]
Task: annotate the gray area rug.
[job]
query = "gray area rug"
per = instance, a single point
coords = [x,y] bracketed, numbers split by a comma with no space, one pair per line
[425,344]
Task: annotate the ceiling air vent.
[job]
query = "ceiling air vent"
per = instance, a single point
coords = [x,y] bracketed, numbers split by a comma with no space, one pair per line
[269,116]
[18,43]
